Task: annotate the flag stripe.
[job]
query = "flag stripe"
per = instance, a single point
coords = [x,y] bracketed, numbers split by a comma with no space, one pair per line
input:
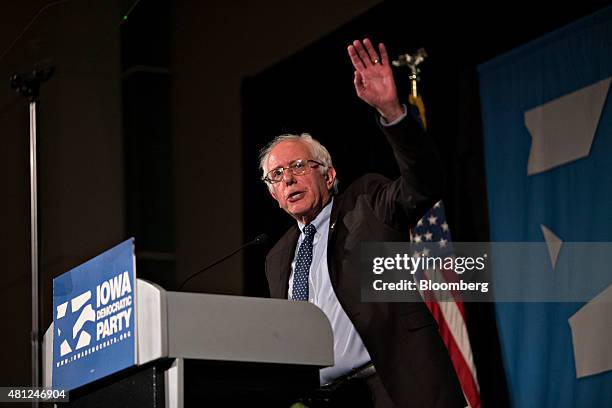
[454,333]
[466,377]
[447,307]
[451,312]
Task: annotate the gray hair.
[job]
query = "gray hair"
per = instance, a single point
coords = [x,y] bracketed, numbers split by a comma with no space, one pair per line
[318,151]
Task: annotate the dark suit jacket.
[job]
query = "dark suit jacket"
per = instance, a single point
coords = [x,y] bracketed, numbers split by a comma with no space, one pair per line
[402,338]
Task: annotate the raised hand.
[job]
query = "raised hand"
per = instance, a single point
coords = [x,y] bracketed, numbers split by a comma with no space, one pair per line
[374,81]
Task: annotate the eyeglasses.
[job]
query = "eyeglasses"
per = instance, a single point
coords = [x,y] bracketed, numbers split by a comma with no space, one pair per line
[297,168]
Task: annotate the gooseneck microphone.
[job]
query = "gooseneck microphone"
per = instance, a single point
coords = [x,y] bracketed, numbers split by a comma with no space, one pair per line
[261,239]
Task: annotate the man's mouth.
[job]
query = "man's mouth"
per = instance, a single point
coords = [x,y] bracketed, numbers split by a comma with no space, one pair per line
[294,196]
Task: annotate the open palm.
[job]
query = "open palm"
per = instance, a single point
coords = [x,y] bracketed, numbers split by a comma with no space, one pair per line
[374,81]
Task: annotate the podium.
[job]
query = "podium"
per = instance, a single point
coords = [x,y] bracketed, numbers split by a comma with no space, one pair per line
[212,350]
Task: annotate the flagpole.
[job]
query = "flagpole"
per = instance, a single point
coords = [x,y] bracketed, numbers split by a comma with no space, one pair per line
[412,62]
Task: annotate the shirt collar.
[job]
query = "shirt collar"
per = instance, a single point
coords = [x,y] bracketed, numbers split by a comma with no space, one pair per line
[321,218]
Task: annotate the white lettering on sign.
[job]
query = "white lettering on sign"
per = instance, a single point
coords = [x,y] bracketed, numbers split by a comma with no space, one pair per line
[113,324]
[113,289]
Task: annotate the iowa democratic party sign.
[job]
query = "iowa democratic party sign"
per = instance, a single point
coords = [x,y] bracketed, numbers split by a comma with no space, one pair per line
[94,311]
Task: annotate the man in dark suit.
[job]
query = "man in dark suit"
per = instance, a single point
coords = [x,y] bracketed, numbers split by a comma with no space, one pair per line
[392,349]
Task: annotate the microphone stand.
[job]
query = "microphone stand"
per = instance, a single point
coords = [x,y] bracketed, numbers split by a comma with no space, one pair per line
[28,85]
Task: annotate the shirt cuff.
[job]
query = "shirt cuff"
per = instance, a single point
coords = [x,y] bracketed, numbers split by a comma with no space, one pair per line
[384,122]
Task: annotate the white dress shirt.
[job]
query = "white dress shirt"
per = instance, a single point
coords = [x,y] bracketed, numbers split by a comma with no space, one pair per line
[349,351]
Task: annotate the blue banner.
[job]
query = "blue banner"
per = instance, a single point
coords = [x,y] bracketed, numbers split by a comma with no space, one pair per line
[94,318]
[547,122]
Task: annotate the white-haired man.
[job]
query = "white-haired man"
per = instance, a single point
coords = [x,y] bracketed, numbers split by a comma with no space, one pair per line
[390,350]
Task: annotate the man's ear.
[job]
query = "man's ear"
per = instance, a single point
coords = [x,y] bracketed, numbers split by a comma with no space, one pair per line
[330,176]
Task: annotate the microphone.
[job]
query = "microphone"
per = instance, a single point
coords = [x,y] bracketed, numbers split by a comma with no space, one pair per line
[261,239]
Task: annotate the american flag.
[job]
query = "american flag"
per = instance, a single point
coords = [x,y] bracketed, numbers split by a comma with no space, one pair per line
[432,233]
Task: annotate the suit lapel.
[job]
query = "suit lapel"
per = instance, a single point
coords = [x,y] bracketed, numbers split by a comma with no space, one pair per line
[332,251]
[281,262]
[282,255]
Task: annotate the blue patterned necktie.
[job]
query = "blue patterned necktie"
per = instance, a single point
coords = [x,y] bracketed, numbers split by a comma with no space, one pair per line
[302,265]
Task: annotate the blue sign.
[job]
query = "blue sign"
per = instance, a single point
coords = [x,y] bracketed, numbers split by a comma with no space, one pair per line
[94,318]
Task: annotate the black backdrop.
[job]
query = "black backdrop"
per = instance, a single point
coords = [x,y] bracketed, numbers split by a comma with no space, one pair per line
[312,91]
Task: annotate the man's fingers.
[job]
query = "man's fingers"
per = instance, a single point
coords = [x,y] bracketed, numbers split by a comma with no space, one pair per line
[384,57]
[365,58]
[371,51]
[355,60]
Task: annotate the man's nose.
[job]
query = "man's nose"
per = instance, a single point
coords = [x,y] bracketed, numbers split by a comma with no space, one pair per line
[288,177]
